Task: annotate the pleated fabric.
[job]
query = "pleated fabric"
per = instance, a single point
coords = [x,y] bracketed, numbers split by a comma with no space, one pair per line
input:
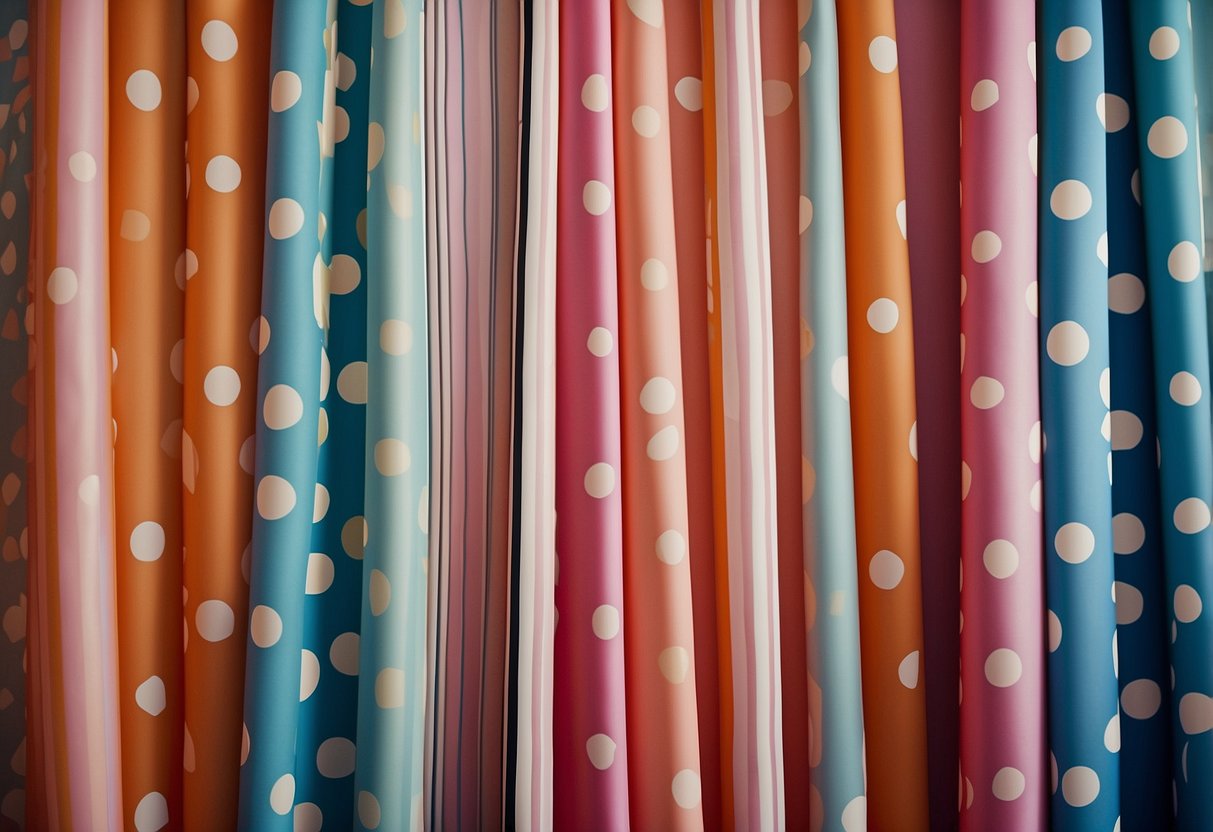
[146,237]
[75,771]
[289,338]
[227,94]
[836,739]
[1002,717]
[392,663]
[747,559]
[589,734]
[1142,613]
[16,179]
[881,390]
[1076,425]
[472,101]
[1170,192]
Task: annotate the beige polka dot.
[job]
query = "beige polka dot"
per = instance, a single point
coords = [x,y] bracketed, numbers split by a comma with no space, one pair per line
[1080,786]
[285,90]
[354,534]
[886,569]
[986,393]
[1141,698]
[1054,631]
[150,695]
[596,197]
[1185,388]
[395,337]
[309,675]
[646,121]
[319,573]
[62,285]
[265,626]
[151,813]
[1187,603]
[882,53]
[368,810]
[389,688]
[600,342]
[143,90]
[1128,533]
[1196,713]
[908,670]
[883,315]
[343,654]
[689,92]
[1003,667]
[147,541]
[223,174]
[687,789]
[986,246]
[307,817]
[1070,200]
[219,40]
[605,622]
[1074,542]
[1164,43]
[335,758]
[392,457]
[1129,602]
[283,407]
[1167,137]
[806,213]
[601,750]
[286,218]
[648,11]
[82,166]
[675,664]
[671,547]
[282,795]
[1008,783]
[653,275]
[1073,43]
[855,815]
[1113,112]
[984,95]
[595,95]
[658,396]
[1126,293]
[663,445]
[134,226]
[275,497]
[1183,263]
[380,591]
[776,97]
[1000,558]
[1067,343]
[215,620]
[840,377]
[351,382]
[600,480]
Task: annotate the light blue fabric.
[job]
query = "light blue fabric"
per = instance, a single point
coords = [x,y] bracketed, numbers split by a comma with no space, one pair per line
[1083,714]
[1142,630]
[829,516]
[391,696]
[1166,126]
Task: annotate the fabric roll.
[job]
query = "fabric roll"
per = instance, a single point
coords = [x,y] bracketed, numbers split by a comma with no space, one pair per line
[227,92]
[294,312]
[684,86]
[16,178]
[73,708]
[472,98]
[590,733]
[147,318]
[392,665]
[1002,718]
[1169,187]
[1202,39]
[1142,613]
[1084,722]
[881,389]
[747,551]
[836,743]
[665,785]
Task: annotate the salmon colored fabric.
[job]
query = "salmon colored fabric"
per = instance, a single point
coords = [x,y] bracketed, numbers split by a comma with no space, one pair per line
[664,786]
[147,316]
[883,416]
[220,269]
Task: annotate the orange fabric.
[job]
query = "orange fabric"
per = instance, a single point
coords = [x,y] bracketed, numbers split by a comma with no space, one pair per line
[227,103]
[147,236]
[883,416]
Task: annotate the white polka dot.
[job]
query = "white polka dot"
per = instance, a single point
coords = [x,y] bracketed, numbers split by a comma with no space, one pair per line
[282,795]
[601,750]
[134,226]
[1074,542]
[283,407]
[900,212]
[1126,293]
[882,52]
[265,626]
[984,95]
[674,664]
[82,166]
[600,480]
[1111,734]
[275,497]
[594,93]
[658,396]
[389,688]
[1183,263]
[285,90]
[219,41]
[343,653]
[605,621]
[1003,668]
[392,457]
[986,392]
[335,758]
[1113,111]
[883,315]
[150,695]
[648,11]
[776,97]
[147,541]
[1129,602]
[663,445]
[319,573]
[400,198]
[645,121]
[653,275]
[907,670]
[215,620]
[1185,388]
[380,592]
[286,218]
[986,246]
[596,197]
[1080,786]
[687,789]
[689,92]
[369,813]
[1126,430]
[1054,631]
[395,337]
[221,385]
[1070,200]
[1187,604]
[151,813]
[89,492]
[1105,386]
[1164,43]
[840,377]
[1073,43]
[855,815]
[671,547]
[143,90]
[351,382]
[223,174]
[600,342]
[1167,137]
[1141,698]
[1067,343]
[309,675]
[1008,783]
[307,818]
[1001,558]
[886,569]
[62,285]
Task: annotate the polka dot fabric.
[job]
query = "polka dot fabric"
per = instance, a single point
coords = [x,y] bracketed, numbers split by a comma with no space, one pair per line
[1170,194]
[836,744]
[1076,425]
[16,175]
[1142,626]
